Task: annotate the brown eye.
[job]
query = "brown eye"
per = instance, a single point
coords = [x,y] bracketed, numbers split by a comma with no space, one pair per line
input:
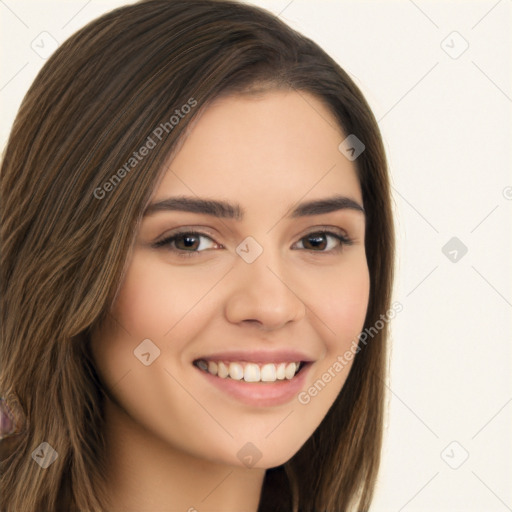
[316,241]
[324,241]
[186,243]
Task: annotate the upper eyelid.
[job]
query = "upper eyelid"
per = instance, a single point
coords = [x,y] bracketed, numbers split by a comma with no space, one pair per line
[212,231]
[204,232]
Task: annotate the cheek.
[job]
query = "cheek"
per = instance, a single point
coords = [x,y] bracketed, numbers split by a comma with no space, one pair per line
[154,299]
[151,303]
[340,299]
[341,302]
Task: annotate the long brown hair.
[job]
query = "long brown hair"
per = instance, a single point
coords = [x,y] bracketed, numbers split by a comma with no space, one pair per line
[94,103]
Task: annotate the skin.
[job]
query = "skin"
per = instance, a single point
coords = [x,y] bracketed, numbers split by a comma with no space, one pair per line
[173,438]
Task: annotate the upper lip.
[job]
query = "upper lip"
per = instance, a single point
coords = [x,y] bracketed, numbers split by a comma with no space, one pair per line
[258,356]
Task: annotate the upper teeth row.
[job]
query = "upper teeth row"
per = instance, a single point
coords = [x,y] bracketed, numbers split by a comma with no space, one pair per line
[250,372]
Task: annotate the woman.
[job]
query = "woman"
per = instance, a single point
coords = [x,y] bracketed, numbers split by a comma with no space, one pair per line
[196,228]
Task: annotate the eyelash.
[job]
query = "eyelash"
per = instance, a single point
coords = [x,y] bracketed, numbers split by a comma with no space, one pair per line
[166,242]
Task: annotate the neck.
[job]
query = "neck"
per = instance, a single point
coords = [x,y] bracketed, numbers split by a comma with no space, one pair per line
[146,473]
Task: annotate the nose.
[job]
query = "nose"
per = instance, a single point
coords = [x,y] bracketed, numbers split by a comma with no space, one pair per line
[262,296]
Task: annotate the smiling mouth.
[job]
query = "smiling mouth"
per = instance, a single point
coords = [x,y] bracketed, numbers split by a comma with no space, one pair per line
[250,372]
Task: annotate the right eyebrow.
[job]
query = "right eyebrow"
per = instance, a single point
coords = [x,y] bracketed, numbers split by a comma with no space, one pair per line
[212,207]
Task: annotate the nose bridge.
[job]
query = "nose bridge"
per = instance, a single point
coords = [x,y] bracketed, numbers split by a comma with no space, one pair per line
[261,292]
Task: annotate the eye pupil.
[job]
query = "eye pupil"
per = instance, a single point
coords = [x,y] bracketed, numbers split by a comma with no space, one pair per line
[189,240]
[318,241]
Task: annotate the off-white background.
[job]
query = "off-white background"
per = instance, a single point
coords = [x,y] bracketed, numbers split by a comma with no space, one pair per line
[446,123]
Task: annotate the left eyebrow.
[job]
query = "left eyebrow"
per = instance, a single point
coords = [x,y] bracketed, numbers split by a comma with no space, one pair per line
[224,209]
[327,205]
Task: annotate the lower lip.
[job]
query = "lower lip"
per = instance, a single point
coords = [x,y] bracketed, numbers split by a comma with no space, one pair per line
[260,394]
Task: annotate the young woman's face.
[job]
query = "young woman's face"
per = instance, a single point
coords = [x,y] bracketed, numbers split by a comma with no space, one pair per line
[245,287]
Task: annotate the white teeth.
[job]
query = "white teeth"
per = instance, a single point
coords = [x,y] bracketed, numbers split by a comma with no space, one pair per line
[289,371]
[268,373]
[236,371]
[250,372]
[222,370]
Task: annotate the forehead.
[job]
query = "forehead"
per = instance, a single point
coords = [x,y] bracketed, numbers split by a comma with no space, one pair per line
[261,149]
